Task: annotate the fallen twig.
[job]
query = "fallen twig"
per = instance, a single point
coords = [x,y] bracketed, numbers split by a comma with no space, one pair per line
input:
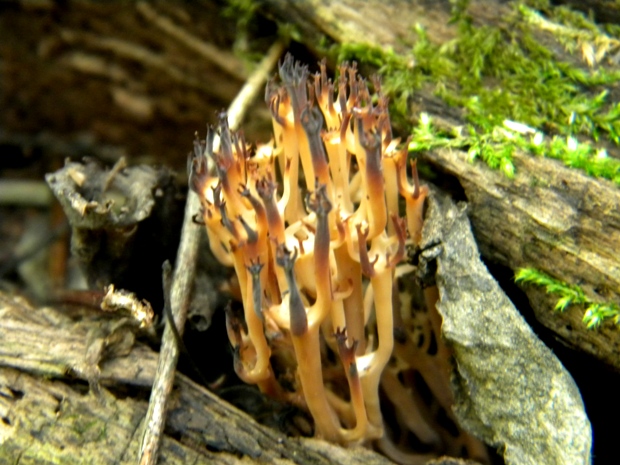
[25,193]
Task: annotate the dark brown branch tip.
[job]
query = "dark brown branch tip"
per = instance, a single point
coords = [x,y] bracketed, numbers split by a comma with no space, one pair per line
[344,126]
[209,139]
[341,335]
[376,83]
[292,71]
[226,222]
[197,171]
[237,362]
[234,325]
[311,119]
[300,242]
[240,145]
[256,204]
[217,190]
[274,107]
[297,311]
[265,188]
[294,76]
[311,94]
[318,202]
[271,89]
[347,353]
[243,191]
[255,267]
[285,258]
[370,140]
[323,72]
[362,234]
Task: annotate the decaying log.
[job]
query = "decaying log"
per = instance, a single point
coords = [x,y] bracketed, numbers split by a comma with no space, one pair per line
[354,21]
[47,415]
[384,24]
[554,218]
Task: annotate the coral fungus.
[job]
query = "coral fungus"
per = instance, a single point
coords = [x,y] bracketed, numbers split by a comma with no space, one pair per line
[311,225]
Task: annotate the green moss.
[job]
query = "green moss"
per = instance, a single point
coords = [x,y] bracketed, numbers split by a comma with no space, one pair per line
[594,162]
[596,313]
[496,147]
[500,74]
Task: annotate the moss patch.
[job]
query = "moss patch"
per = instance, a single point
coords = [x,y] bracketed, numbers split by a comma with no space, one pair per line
[596,313]
[503,74]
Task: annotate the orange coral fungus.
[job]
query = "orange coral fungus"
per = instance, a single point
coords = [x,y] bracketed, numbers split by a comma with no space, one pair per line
[311,225]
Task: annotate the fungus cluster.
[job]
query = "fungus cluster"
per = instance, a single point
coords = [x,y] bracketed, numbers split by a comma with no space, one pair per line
[311,224]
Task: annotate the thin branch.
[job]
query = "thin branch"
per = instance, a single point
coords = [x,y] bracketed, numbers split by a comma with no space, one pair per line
[25,193]
[184,275]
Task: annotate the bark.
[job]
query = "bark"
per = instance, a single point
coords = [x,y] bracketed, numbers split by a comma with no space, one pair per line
[355,21]
[49,415]
[386,24]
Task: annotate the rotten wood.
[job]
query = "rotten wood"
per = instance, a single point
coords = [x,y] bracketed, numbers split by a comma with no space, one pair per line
[49,415]
[375,22]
